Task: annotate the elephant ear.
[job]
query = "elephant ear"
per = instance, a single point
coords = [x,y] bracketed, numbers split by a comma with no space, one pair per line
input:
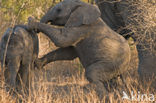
[84,14]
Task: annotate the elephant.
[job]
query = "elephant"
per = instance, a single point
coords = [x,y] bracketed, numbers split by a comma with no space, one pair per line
[78,30]
[113,13]
[117,16]
[21,53]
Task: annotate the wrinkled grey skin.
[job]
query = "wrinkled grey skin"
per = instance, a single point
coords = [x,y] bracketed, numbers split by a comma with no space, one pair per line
[103,53]
[116,14]
[20,56]
[109,13]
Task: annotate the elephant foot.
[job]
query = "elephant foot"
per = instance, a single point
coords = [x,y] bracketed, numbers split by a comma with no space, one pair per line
[11,89]
[98,87]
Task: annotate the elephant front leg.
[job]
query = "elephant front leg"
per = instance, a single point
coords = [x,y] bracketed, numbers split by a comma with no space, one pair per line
[67,53]
[62,36]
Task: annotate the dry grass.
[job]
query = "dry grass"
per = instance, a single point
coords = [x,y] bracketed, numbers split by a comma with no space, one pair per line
[68,89]
[142,22]
[62,82]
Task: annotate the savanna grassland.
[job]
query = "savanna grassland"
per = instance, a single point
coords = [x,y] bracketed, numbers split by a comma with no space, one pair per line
[62,81]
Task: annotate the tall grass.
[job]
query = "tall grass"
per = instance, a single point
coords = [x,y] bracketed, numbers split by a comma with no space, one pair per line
[70,90]
[62,82]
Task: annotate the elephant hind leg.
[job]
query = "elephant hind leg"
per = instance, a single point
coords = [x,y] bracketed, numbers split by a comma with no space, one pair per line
[92,75]
[11,73]
[23,78]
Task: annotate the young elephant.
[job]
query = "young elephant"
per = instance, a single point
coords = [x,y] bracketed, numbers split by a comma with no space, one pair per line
[21,53]
[103,53]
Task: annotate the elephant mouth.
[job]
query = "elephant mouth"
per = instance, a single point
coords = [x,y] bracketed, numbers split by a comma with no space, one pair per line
[54,22]
[50,22]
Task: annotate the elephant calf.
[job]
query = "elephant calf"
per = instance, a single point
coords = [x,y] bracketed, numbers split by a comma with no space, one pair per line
[21,53]
[104,53]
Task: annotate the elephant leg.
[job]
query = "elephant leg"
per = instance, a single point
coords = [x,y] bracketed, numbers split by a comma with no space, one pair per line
[67,53]
[93,76]
[11,73]
[23,78]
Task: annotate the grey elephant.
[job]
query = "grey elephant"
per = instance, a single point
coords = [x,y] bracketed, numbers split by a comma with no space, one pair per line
[117,16]
[21,53]
[103,53]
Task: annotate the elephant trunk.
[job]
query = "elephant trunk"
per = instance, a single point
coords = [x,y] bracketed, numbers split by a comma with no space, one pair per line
[44,20]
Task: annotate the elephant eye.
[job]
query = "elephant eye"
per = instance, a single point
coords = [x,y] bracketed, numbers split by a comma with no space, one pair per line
[58,10]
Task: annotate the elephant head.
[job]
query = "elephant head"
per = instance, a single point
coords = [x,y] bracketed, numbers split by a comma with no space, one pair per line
[71,13]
